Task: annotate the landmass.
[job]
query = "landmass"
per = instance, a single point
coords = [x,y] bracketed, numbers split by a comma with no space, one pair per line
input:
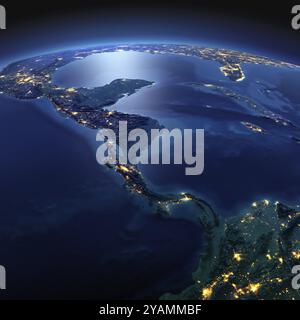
[248,256]
[32,79]
[250,105]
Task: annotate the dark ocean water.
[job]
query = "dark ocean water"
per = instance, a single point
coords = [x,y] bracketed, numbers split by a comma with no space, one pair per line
[62,232]
[240,166]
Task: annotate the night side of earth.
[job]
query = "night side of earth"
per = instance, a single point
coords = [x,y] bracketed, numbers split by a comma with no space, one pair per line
[245,256]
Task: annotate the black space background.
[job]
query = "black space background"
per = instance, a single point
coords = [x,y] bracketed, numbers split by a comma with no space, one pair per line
[258,24]
[271,12]
[261,23]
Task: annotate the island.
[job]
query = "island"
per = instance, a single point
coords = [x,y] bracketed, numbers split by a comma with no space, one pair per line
[249,256]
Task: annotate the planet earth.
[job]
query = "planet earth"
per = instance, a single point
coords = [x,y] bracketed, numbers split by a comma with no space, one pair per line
[71,228]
